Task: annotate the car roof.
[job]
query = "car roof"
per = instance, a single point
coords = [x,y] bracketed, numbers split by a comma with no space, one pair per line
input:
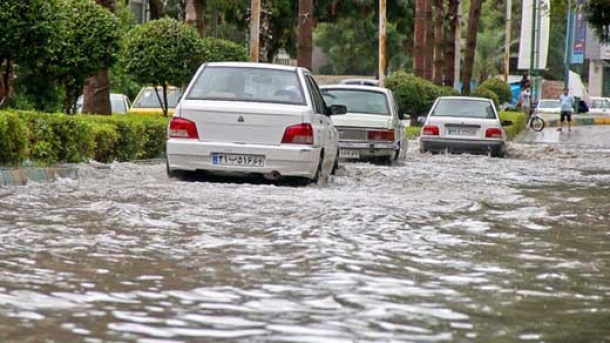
[460,97]
[253,65]
[357,87]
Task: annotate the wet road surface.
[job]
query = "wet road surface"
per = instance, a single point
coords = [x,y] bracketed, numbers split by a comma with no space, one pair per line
[442,248]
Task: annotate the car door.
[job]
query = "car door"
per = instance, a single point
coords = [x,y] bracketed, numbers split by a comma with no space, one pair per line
[399,125]
[329,136]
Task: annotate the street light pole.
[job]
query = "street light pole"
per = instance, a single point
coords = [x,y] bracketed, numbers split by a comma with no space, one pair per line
[509,9]
[568,47]
[255,18]
[382,41]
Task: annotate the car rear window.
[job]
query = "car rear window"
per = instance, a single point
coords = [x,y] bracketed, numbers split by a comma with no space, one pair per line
[148,99]
[358,101]
[247,84]
[464,108]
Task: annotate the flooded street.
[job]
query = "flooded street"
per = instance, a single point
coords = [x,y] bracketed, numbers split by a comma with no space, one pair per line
[442,248]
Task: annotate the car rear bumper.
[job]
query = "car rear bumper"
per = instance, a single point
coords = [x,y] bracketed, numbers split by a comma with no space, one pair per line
[495,147]
[287,160]
[371,149]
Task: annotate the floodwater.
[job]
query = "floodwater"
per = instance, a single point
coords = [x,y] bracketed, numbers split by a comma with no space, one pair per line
[442,248]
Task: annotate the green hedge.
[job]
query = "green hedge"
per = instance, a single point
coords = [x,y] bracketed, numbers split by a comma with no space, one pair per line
[48,139]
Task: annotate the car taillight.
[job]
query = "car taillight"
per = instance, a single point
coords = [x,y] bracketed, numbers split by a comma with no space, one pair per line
[182,128]
[384,135]
[493,133]
[430,130]
[298,134]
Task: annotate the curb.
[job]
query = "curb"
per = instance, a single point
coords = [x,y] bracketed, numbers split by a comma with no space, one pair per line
[10,177]
[582,121]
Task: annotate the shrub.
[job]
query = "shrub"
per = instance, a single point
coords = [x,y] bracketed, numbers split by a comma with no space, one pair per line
[413,94]
[518,119]
[13,139]
[218,50]
[486,93]
[501,88]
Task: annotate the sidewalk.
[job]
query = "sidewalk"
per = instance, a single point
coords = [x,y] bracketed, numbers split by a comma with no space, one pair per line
[22,176]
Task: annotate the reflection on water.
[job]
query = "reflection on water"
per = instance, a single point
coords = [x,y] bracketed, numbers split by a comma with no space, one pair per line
[441,248]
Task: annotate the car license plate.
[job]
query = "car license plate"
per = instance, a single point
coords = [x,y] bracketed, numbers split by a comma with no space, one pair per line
[238,160]
[349,153]
[461,131]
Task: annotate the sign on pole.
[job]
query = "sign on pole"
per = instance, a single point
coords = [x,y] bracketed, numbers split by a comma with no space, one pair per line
[579,33]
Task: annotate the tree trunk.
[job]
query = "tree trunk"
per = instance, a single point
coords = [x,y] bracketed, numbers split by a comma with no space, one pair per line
[193,15]
[96,91]
[437,72]
[429,41]
[305,40]
[156,9]
[451,20]
[6,81]
[474,14]
[419,40]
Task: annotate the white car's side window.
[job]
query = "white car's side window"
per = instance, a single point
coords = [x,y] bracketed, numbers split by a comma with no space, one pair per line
[316,95]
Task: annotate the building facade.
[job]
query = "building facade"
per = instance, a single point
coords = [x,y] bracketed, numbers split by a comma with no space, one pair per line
[598,55]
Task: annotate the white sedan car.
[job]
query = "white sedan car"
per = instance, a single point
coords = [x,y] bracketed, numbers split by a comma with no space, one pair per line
[253,118]
[599,106]
[548,106]
[464,124]
[373,129]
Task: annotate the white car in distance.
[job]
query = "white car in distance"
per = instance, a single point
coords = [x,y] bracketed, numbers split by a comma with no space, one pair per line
[373,129]
[463,124]
[599,106]
[243,118]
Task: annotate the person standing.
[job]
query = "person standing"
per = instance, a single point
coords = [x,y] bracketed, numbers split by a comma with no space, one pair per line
[567,105]
[526,103]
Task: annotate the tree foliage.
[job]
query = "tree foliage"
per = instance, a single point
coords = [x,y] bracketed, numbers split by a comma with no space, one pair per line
[162,52]
[352,45]
[215,50]
[598,16]
[86,41]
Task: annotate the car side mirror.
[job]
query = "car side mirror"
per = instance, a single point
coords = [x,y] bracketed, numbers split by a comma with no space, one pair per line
[336,109]
[421,119]
[507,123]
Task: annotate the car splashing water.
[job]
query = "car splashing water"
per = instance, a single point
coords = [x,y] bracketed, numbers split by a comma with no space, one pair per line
[439,248]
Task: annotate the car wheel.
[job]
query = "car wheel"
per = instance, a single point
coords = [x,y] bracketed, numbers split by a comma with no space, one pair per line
[320,177]
[335,165]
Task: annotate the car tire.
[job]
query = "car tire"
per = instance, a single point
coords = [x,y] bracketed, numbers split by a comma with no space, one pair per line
[335,165]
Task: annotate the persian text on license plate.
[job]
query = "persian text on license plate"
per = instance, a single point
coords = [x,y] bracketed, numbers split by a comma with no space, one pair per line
[461,131]
[238,160]
[349,153]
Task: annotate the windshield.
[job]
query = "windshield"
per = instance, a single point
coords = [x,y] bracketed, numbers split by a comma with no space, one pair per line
[117,103]
[148,99]
[248,84]
[358,101]
[549,104]
[468,108]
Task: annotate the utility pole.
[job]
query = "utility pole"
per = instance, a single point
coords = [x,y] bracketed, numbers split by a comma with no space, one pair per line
[457,74]
[305,39]
[568,47]
[255,19]
[509,9]
[382,43]
[534,49]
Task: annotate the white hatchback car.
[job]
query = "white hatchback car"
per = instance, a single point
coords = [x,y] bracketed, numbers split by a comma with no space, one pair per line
[373,129]
[464,124]
[548,106]
[253,118]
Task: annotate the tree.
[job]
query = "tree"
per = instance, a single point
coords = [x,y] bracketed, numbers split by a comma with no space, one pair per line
[352,45]
[437,71]
[419,43]
[451,19]
[474,15]
[96,92]
[156,9]
[85,42]
[429,45]
[162,52]
[598,16]
[193,15]
[22,21]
